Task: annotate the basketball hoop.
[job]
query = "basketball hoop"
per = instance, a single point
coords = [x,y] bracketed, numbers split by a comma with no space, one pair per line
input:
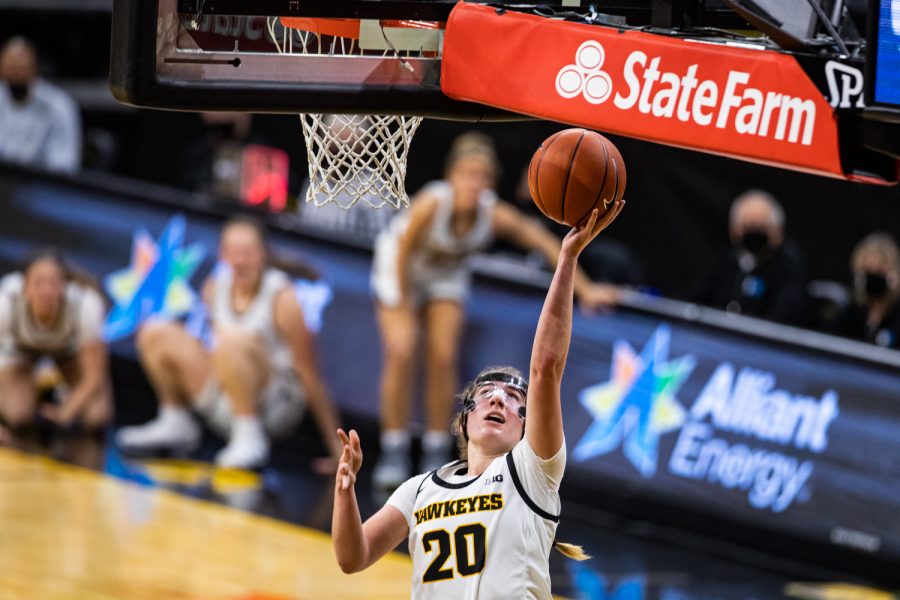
[352,157]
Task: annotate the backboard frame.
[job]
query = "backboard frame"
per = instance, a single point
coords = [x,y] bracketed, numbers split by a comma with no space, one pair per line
[151,67]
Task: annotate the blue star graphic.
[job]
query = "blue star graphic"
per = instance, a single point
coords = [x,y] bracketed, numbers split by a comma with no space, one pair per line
[637,404]
[156,283]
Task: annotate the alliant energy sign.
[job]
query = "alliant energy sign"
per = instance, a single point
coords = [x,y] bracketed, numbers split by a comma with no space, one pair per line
[741,432]
[746,103]
[713,424]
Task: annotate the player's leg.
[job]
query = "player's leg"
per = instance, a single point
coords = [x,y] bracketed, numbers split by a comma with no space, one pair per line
[18,397]
[399,335]
[97,411]
[444,322]
[84,448]
[242,368]
[178,367]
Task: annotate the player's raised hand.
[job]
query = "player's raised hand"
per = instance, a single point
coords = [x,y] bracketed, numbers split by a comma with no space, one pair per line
[582,234]
[609,216]
[350,461]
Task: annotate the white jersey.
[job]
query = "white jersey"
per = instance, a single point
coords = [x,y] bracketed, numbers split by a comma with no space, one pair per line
[259,317]
[282,401]
[81,320]
[437,268]
[485,537]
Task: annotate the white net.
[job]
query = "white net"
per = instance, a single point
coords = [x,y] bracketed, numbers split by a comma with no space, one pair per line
[357,157]
[351,157]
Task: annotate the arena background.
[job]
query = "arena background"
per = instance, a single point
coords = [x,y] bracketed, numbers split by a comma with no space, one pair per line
[842,513]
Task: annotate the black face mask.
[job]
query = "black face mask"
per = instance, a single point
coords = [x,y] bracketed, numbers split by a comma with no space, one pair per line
[754,241]
[876,284]
[18,91]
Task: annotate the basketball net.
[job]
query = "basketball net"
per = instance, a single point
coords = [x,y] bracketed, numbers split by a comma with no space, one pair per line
[351,157]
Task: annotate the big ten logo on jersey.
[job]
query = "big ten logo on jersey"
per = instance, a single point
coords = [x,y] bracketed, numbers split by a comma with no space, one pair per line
[460,506]
[495,479]
[845,83]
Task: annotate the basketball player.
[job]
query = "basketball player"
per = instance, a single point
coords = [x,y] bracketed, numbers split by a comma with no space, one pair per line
[46,310]
[259,373]
[420,280]
[483,527]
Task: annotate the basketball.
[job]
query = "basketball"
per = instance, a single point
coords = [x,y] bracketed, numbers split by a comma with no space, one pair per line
[573,172]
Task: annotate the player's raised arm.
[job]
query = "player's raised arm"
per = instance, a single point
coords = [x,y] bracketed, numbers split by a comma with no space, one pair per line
[543,427]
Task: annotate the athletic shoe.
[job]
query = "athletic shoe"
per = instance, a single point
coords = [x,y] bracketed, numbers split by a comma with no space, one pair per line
[392,469]
[174,430]
[248,447]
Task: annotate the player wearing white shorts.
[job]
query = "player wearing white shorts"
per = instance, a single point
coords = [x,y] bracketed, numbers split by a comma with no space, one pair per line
[421,278]
[259,374]
[46,312]
[482,527]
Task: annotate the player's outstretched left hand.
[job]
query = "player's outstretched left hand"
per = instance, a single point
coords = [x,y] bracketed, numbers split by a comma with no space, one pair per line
[351,459]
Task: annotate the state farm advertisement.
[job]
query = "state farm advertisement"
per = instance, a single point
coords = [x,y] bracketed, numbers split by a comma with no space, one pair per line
[750,104]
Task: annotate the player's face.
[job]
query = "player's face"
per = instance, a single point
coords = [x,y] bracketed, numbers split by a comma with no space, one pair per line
[44,287]
[469,176]
[244,252]
[496,422]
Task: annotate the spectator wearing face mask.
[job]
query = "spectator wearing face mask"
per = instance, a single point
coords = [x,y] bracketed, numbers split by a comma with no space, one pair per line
[874,315]
[39,123]
[763,274]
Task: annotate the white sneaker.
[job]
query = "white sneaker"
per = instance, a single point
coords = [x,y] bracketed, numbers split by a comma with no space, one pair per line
[392,469]
[248,447]
[173,429]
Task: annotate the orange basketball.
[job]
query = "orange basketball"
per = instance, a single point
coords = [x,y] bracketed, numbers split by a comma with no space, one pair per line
[573,172]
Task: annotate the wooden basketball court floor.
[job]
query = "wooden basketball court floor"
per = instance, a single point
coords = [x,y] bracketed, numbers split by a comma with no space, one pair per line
[70,533]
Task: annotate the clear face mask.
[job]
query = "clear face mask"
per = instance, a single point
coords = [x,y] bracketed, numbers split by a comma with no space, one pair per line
[507,394]
[511,389]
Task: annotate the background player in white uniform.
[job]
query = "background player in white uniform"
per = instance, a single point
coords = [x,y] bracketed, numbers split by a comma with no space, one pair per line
[482,527]
[420,279]
[46,312]
[259,374]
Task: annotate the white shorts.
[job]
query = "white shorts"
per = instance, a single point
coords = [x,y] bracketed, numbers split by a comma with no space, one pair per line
[281,408]
[427,283]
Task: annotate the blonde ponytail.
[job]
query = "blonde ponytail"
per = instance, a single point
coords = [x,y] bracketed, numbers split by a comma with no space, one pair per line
[571,551]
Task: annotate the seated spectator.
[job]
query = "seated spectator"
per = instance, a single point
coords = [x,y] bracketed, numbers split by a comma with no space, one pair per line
[763,275]
[874,315]
[259,375]
[39,122]
[46,311]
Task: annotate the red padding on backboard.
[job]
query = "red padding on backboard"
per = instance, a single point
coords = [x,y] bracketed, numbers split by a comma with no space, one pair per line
[347,28]
[750,104]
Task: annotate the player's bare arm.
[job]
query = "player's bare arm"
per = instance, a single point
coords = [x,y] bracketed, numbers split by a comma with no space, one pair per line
[358,545]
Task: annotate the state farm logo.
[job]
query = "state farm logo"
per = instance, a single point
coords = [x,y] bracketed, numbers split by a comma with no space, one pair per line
[585,76]
[704,92]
